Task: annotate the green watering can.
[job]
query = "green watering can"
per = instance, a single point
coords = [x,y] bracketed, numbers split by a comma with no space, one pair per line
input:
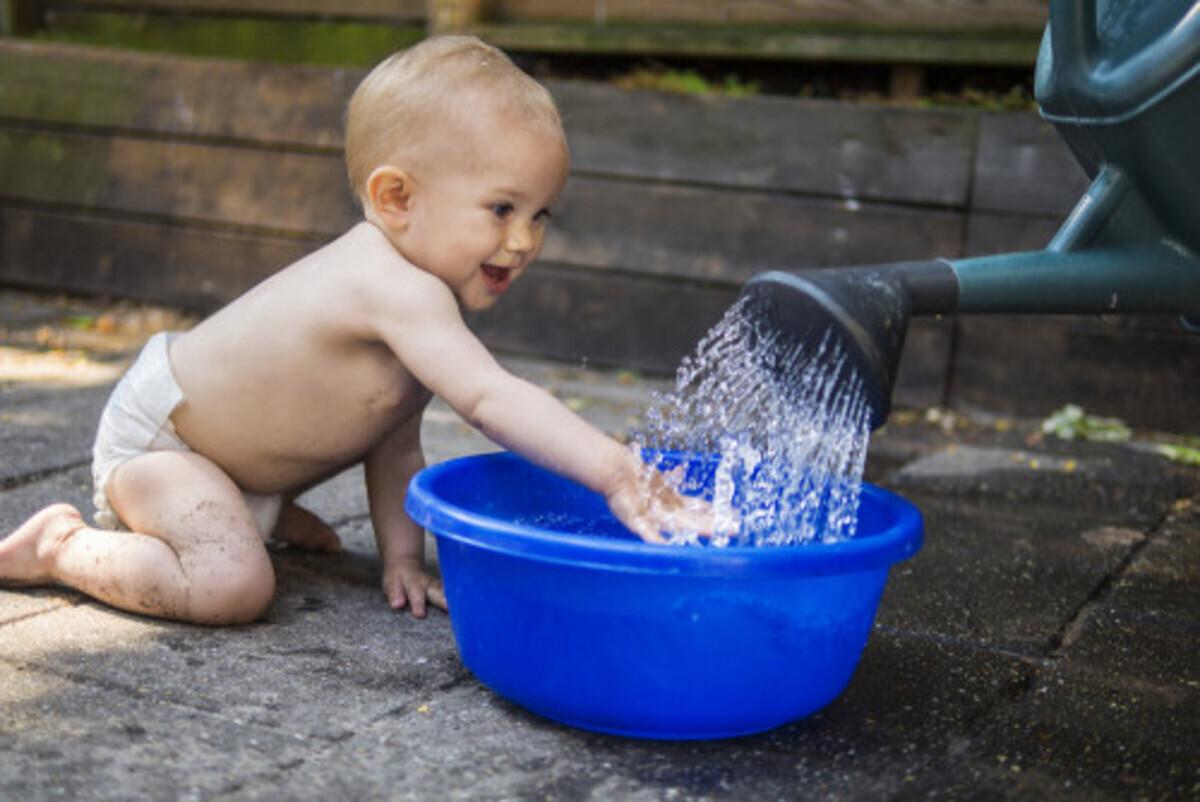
[1120,80]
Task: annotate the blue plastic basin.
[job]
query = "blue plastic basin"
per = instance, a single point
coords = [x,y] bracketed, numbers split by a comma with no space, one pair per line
[555,606]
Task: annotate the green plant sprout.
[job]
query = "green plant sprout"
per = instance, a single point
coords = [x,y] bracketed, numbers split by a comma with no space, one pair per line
[1072,423]
[1187,453]
[685,82]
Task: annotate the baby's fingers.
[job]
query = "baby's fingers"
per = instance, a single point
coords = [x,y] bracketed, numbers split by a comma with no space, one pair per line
[647,530]
[698,518]
[393,588]
[436,595]
[423,591]
[686,521]
[413,590]
[416,589]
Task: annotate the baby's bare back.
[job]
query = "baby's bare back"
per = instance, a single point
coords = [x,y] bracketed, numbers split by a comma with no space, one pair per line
[290,382]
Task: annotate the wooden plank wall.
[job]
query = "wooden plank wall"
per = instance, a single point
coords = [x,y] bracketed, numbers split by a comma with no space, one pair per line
[186,181]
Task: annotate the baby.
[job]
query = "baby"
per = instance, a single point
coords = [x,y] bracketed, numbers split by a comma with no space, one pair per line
[457,158]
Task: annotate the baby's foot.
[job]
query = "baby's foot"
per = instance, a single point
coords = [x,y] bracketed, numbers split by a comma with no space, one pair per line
[24,552]
[300,528]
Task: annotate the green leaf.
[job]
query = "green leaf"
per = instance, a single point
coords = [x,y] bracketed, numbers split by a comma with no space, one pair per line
[1072,423]
[1184,455]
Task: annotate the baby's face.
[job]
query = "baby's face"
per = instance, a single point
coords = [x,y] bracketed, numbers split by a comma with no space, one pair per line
[479,214]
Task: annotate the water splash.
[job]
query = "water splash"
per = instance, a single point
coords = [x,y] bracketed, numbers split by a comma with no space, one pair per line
[788,430]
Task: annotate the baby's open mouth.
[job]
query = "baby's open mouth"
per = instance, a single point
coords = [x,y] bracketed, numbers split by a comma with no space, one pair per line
[497,278]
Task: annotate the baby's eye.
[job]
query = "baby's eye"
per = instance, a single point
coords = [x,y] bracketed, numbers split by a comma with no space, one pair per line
[502,210]
[543,216]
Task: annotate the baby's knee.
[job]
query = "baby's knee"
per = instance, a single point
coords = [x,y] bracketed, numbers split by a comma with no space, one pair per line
[241,595]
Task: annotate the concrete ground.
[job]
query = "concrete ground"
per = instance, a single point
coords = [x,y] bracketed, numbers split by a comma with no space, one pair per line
[1044,644]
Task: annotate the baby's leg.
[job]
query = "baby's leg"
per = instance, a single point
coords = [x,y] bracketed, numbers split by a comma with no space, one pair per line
[195,552]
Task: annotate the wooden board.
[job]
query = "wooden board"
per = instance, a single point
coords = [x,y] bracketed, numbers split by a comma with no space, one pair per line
[997,48]
[334,41]
[397,10]
[838,150]
[874,13]
[582,316]
[922,374]
[195,268]
[294,192]
[727,237]
[273,105]
[1031,366]
[989,233]
[1024,167]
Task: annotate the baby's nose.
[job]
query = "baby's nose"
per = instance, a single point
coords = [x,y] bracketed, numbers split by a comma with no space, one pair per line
[520,238]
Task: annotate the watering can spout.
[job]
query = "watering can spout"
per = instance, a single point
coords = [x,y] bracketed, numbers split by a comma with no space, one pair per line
[865,310]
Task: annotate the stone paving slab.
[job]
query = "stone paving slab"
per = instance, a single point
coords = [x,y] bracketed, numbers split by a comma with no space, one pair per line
[44,432]
[1161,582]
[1076,734]
[79,740]
[1044,644]
[1040,532]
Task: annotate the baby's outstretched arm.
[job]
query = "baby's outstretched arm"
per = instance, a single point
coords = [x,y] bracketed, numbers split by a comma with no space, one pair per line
[389,468]
[528,420]
[424,328]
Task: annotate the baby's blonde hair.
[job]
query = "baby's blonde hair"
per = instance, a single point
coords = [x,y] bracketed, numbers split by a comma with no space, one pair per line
[414,94]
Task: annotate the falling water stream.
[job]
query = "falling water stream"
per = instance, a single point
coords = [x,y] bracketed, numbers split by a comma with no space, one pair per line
[787,427]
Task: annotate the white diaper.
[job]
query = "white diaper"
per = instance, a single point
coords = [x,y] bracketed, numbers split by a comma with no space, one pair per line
[137,420]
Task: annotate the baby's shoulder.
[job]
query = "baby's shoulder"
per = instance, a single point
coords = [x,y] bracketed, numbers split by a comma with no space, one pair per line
[363,276]
[365,256]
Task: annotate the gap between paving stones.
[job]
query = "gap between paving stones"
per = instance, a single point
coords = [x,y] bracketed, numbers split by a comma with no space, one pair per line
[1071,628]
[28,478]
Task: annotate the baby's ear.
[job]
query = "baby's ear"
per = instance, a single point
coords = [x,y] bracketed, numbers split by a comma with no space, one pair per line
[389,194]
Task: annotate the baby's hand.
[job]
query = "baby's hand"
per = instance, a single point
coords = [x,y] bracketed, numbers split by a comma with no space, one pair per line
[648,504]
[405,582]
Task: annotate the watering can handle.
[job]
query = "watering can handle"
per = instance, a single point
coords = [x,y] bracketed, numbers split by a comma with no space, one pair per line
[1073,32]
[1085,79]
